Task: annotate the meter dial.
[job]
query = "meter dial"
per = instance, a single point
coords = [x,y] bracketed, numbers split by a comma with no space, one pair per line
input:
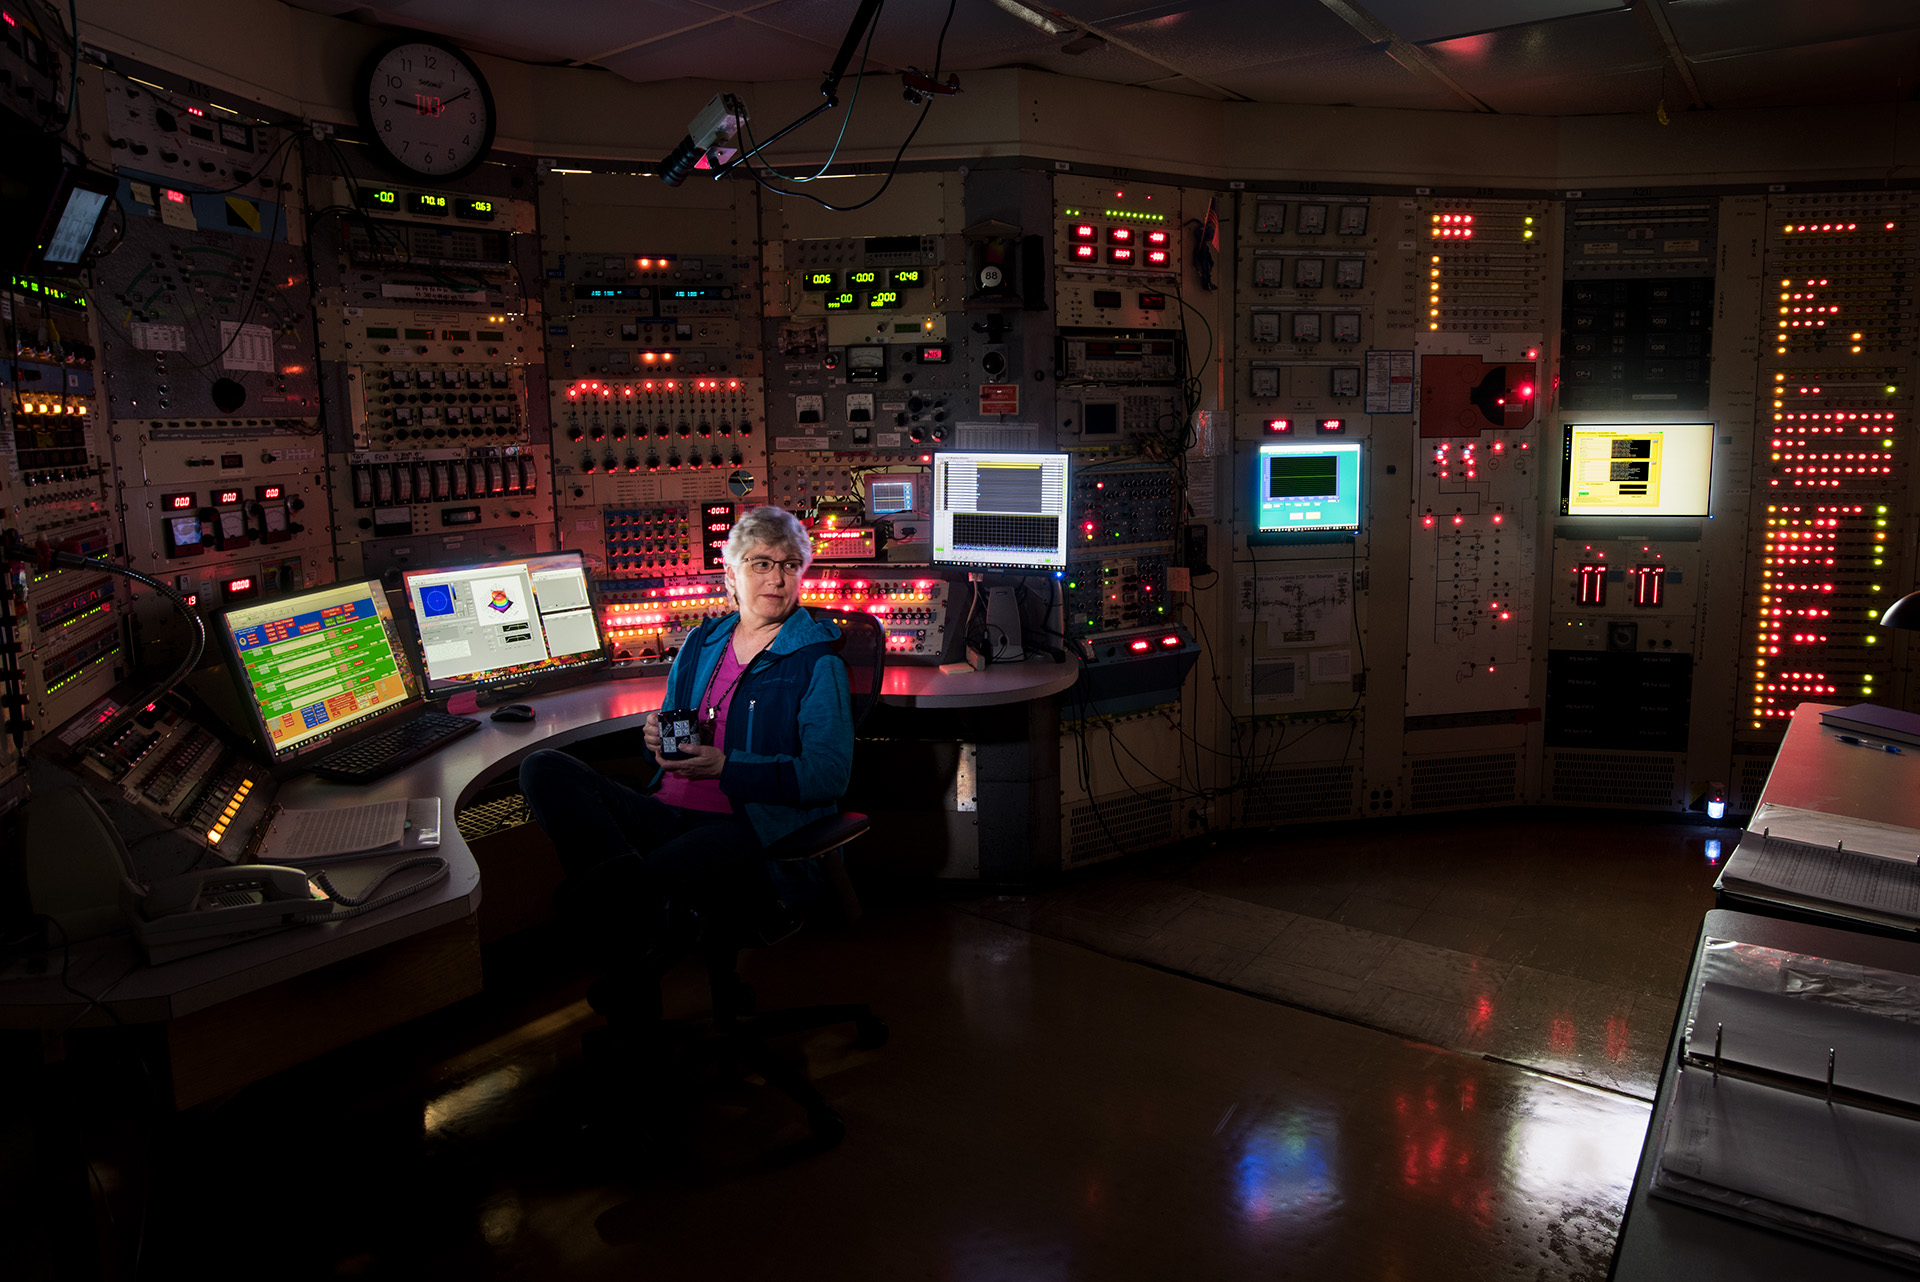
[426,105]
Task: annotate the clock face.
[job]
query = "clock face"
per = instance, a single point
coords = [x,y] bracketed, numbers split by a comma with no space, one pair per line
[427,106]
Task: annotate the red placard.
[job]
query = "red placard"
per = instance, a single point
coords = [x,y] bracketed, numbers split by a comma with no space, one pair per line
[999,398]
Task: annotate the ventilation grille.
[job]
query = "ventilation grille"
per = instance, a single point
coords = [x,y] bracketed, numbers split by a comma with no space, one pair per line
[1614,779]
[490,817]
[1751,779]
[1298,793]
[1118,824]
[1484,779]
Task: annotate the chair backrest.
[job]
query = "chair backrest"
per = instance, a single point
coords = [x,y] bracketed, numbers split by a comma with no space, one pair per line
[863,647]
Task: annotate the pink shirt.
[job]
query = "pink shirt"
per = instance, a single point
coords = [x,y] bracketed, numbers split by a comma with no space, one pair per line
[705,794]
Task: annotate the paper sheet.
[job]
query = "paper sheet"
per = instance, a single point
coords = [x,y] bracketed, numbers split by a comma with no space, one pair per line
[1836,877]
[314,834]
[1817,828]
[1793,1035]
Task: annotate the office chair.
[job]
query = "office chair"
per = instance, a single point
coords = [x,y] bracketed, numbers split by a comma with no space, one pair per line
[736,1034]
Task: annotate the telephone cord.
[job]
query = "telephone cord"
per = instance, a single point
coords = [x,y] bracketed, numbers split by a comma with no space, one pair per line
[365,902]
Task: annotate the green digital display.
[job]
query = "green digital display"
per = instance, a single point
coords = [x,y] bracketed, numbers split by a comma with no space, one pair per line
[821,282]
[881,300]
[381,196]
[842,302]
[867,277]
[479,211]
[906,277]
[421,202]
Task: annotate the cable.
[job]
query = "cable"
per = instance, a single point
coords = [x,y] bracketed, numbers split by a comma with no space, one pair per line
[366,901]
[847,116]
[894,169]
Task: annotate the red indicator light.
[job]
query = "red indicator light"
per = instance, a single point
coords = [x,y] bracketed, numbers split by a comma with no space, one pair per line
[12,23]
[1169,640]
[1138,646]
[1526,391]
[1427,520]
[1085,231]
[1120,235]
[1279,426]
[1459,520]
[1119,253]
[1497,518]
[1086,253]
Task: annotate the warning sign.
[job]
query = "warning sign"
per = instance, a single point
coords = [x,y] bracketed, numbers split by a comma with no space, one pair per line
[999,398]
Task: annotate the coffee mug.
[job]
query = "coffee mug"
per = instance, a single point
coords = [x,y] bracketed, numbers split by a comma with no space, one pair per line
[680,729]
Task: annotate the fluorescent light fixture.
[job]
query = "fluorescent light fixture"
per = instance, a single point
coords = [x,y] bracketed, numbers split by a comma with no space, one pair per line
[569,171]
[1033,17]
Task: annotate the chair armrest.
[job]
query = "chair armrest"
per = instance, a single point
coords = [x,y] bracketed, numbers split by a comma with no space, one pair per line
[815,840]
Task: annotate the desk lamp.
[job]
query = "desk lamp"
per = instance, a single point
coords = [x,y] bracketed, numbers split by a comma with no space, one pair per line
[1904,613]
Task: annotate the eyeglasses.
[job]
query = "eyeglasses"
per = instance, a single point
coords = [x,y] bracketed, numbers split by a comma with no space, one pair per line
[763,566]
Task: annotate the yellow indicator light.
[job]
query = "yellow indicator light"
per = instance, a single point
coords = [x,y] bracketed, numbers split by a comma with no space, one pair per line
[214,835]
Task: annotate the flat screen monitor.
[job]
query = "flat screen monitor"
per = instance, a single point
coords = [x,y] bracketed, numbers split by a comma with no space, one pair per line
[1313,485]
[1636,469]
[78,202]
[529,618]
[894,495]
[1000,511]
[317,665]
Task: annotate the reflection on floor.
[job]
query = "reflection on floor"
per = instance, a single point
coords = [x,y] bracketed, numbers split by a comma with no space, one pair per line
[1558,943]
[1042,1112]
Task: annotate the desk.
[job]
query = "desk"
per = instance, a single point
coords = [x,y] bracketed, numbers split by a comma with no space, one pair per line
[994,685]
[1661,1240]
[239,1013]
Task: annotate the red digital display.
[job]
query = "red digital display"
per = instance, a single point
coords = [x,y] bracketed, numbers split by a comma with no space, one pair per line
[176,197]
[1279,426]
[1085,231]
[177,502]
[1120,235]
[1119,254]
[1158,238]
[1156,257]
[1590,584]
[1333,425]
[932,354]
[226,498]
[1086,253]
[239,585]
[270,492]
[1649,584]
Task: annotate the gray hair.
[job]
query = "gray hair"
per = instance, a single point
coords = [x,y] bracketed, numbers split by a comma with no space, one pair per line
[773,526]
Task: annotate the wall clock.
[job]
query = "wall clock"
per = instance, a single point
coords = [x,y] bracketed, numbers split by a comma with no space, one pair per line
[426,106]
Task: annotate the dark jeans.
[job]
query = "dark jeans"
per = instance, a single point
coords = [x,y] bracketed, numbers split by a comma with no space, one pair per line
[628,854]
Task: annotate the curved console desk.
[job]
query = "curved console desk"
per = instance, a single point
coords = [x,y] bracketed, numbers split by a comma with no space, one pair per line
[237,1013]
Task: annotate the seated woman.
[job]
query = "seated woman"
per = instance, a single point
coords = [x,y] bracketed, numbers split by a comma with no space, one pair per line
[778,752]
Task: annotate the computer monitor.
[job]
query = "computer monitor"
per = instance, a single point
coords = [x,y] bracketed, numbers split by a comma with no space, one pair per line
[319,665]
[507,622]
[1000,511]
[894,495]
[1636,469]
[1308,486]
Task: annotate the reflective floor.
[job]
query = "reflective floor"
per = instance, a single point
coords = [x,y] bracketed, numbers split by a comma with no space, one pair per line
[1044,1110]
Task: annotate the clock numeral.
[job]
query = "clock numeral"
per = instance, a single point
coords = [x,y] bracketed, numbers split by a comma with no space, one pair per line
[393,82]
[429,62]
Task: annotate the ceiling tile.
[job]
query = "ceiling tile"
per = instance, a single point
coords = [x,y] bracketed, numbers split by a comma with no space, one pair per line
[583,29]
[1531,64]
[979,36]
[732,49]
[1364,78]
[1209,40]
[1881,69]
[1419,21]
[1708,29]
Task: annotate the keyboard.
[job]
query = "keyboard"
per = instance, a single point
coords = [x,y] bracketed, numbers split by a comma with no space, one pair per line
[383,754]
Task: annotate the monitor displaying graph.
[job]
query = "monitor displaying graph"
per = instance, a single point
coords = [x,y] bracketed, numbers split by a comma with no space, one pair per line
[1000,510]
[1312,485]
[505,621]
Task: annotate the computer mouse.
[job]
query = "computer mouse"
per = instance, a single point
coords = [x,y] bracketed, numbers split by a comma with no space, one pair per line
[513,712]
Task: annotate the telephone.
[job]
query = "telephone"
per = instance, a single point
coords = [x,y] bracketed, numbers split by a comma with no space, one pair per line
[173,918]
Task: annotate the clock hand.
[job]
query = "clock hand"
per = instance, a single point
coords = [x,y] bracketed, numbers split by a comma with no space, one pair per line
[448,102]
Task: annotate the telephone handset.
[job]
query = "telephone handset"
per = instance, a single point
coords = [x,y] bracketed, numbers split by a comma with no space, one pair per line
[220,902]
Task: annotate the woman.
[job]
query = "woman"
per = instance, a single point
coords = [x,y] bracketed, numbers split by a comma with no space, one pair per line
[780,749]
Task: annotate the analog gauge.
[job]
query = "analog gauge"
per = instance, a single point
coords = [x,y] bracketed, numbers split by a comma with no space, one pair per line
[426,105]
[1267,272]
[1309,273]
[1353,220]
[1311,220]
[1346,327]
[1270,220]
[1350,273]
[1266,327]
[1306,327]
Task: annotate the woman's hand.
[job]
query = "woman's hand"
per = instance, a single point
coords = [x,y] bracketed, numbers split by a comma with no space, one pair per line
[702,762]
[651,733]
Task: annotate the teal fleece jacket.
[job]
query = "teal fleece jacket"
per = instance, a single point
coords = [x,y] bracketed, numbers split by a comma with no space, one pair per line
[789,725]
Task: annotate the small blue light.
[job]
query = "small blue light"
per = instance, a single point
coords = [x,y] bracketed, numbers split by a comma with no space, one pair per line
[1716,808]
[1713,850]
